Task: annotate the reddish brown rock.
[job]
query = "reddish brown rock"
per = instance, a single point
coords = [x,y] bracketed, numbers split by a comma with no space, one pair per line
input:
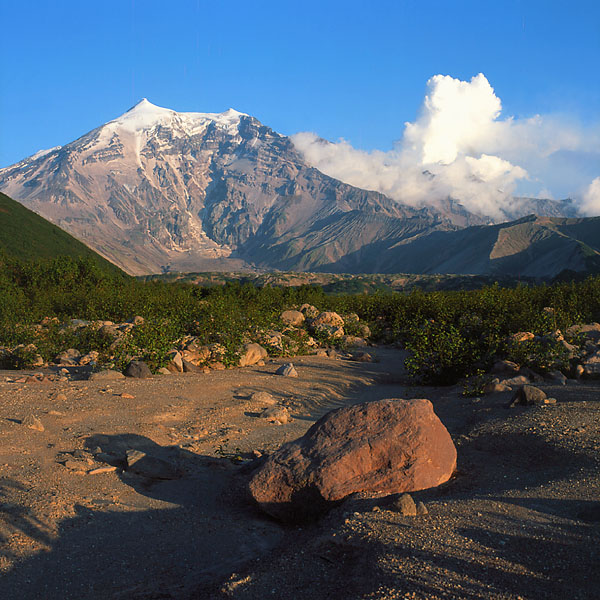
[384,447]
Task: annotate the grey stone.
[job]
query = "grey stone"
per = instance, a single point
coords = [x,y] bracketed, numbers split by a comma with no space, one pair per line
[422,509]
[287,370]
[527,395]
[405,505]
[138,369]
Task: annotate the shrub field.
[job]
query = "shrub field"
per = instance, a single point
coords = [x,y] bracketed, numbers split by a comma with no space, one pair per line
[450,334]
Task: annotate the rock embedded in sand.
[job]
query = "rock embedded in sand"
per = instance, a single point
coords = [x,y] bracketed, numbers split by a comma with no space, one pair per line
[385,447]
[263,398]
[405,505]
[106,375]
[287,370]
[527,395]
[276,413]
[33,422]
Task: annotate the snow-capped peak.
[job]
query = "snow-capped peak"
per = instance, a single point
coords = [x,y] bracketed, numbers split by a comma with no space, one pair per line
[145,115]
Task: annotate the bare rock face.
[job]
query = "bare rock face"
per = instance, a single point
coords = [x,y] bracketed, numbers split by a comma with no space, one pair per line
[384,447]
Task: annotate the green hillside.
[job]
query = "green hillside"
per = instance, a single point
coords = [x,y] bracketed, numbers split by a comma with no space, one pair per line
[24,235]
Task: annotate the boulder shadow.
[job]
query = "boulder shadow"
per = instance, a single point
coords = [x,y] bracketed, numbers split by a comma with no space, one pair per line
[161,538]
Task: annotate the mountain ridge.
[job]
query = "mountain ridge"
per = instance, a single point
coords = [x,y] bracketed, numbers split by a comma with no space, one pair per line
[155,190]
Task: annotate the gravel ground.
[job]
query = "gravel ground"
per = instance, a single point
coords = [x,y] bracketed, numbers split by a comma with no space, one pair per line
[520,518]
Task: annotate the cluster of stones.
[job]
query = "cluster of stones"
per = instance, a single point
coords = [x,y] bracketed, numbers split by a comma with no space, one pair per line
[71,357]
[583,362]
[304,323]
[297,327]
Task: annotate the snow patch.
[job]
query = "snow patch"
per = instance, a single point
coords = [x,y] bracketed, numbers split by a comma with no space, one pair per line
[145,115]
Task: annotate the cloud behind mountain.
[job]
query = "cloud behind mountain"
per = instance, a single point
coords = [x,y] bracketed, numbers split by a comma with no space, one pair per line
[460,146]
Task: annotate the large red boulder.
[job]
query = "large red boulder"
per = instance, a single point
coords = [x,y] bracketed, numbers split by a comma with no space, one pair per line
[384,447]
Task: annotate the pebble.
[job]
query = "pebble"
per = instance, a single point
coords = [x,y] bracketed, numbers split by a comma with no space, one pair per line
[101,470]
[32,422]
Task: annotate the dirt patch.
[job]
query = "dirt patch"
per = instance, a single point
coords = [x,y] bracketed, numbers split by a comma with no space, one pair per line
[519,519]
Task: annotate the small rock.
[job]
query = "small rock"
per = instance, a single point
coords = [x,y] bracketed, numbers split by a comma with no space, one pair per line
[164,371]
[505,367]
[422,509]
[263,398]
[493,388]
[76,465]
[151,467]
[250,354]
[292,317]
[101,470]
[362,357]
[60,397]
[106,375]
[522,336]
[127,396]
[189,367]
[90,357]
[518,380]
[69,357]
[175,363]
[405,505]
[556,377]
[32,422]
[287,370]
[138,369]
[276,413]
[550,401]
[527,395]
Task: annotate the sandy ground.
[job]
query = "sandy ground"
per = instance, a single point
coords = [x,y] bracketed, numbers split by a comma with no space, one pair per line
[520,519]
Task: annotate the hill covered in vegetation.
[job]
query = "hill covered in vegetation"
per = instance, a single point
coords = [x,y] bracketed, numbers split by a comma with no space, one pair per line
[24,235]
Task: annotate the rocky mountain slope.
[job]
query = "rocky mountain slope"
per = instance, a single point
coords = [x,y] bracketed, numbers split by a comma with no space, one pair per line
[529,247]
[159,190]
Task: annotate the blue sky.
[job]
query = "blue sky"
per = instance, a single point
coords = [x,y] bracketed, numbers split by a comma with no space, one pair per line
[343,69]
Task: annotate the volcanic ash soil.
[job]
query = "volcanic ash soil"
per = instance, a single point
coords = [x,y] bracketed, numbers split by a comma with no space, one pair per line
[136,489]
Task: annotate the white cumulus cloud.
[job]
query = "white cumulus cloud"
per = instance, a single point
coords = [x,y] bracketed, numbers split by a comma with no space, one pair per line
[590,205]
[458,147]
